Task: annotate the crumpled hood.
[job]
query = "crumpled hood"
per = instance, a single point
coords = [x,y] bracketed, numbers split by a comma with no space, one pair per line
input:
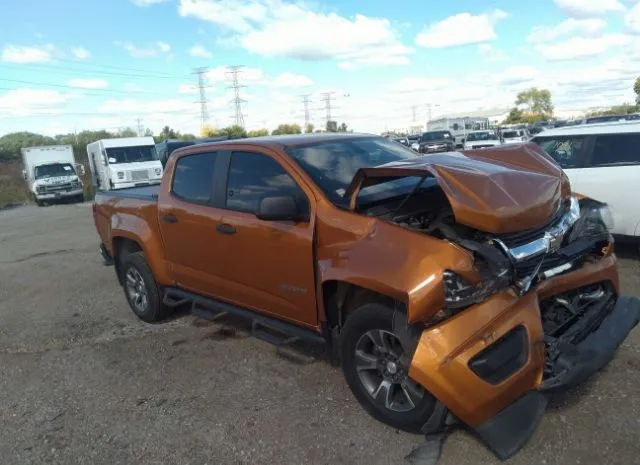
[497,190]
[55,180]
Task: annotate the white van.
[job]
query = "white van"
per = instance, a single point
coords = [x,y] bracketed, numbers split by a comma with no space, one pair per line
[124,162]
[603,162]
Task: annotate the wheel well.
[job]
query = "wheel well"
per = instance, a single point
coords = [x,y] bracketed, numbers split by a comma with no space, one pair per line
[341,298]
[123,246]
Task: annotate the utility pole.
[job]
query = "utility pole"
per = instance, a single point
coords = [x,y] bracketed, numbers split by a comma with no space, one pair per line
[204,113]
[305,102]
[139,125]
[327,103]
[234,71]
[413,112]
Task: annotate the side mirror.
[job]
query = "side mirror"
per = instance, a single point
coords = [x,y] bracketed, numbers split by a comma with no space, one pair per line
[278,208]
[112,160]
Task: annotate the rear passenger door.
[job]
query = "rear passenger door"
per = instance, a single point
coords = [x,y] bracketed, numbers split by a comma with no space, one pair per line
[188,221]
[269,265]
[612,175]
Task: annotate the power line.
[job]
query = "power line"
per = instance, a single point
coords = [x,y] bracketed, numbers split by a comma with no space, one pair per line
[101,65]
[82,89]
[204,112]
[305,102]
[139,125]
[234,71]
[74,71]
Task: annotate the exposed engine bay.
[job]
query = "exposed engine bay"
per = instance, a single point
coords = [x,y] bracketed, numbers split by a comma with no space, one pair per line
[576,234]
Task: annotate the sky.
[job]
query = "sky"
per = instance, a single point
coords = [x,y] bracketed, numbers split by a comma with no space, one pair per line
[69,65]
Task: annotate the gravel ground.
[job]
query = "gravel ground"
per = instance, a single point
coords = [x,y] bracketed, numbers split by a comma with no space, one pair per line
[83,381]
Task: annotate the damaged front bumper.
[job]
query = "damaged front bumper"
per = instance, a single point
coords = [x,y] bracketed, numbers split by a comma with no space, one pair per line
[493,364]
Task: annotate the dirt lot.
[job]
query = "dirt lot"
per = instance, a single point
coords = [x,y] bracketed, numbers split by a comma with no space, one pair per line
[83,381]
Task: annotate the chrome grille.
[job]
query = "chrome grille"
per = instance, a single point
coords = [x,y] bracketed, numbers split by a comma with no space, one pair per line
[140,175]
[58,187]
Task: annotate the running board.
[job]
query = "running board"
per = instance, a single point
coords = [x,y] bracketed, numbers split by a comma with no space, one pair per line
[270,330]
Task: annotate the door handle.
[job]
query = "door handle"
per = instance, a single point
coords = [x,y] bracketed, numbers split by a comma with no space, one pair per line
[170,218]
[225,229]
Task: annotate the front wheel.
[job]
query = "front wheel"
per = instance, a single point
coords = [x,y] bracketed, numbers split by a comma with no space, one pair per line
[376,369]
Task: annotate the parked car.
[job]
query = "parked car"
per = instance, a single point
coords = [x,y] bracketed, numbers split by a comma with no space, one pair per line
[450,287]
[481,139]
[436,141]
[402,140]
[603,162]
[514,136]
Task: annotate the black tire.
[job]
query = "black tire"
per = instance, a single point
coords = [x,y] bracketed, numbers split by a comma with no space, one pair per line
[375,317]
[135,265]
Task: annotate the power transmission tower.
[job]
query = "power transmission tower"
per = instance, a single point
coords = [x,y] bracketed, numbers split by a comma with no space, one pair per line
[204,113]
[139,124]
[307,118]
[413,112]
[327,103]
[234,71]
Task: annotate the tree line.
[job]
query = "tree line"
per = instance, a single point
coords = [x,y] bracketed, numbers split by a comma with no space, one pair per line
[10,144]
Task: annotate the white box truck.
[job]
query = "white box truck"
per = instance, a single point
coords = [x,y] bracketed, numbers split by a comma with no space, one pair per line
[124,162]
[51,174]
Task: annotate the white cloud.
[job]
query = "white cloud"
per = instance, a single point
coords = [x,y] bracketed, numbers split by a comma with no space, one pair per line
[163,47]
[246,74]
[518,75]
[187,89]
[19,54]
[632,20]
[143,3]
[490,53]
[275,28]
[461,29]
[588,26]
[88,83]
[80,53]
[418,84]
[148,51]
[582,47]
[291,80]
[588,8]
[26,102]
[200,52]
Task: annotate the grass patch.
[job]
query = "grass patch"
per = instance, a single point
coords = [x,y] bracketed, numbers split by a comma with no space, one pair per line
[13,188]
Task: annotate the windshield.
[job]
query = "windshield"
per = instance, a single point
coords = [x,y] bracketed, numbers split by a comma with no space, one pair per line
[485,135]
[436,135]
[54,170]
[332,166]
[510,134]
[131,154]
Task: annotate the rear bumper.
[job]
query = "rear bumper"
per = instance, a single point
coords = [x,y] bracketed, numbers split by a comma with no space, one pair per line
[505,390]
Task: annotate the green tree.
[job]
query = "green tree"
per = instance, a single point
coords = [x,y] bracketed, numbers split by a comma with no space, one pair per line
[10,144]
[168,133]
[234,132]
[515,116]
[148,132]
[187,136]
[343,128]
[309,128]
[258,132]
[287,129]
[126,132]
[636,89]
[537,101]
[332,126]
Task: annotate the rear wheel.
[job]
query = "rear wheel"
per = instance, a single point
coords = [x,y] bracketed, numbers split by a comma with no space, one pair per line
[141,290]
[376,368]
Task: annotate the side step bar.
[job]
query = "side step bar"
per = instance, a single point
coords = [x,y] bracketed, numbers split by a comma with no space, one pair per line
[270,330]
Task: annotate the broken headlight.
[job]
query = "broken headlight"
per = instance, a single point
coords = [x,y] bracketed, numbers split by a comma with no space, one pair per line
[595,221]
[459,293]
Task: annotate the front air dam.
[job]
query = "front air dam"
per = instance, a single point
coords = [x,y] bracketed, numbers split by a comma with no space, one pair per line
[523,395]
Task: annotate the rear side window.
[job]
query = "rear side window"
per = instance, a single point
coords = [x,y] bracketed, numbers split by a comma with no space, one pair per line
[193,178]
[565,150]
[616,150]
[253,176]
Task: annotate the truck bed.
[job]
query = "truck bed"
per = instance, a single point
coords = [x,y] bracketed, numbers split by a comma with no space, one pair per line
[141,193]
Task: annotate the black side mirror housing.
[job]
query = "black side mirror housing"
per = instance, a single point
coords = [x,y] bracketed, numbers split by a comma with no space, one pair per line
[279,208]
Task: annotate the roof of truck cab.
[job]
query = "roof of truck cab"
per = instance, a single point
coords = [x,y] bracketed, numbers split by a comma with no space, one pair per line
[617,127]
[287,140]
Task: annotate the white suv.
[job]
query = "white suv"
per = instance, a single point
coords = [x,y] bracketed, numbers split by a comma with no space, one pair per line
[602,162]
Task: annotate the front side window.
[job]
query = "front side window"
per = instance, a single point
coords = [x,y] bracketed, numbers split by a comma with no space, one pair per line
[565,150]
[54,170]
[141,153]
[253,176]
[616,150]
[193,178]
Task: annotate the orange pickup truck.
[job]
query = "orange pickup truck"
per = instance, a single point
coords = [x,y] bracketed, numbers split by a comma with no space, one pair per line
[459,287]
